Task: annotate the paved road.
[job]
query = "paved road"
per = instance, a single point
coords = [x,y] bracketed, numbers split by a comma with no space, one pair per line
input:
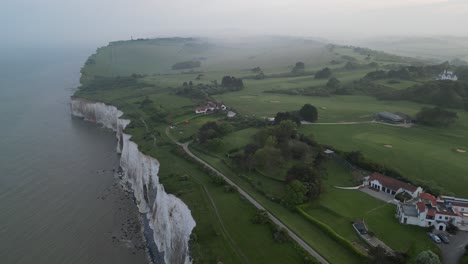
[451,253]
[275,220]
[358,123]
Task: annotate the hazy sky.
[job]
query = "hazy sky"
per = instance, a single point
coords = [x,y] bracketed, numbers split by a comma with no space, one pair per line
[25,22]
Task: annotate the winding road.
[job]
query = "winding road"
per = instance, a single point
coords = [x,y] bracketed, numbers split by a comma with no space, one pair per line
[275,220]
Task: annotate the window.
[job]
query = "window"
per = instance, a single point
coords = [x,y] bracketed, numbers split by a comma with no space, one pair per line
[446,218]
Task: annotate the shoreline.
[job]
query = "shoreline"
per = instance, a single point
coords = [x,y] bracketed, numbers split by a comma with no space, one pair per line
[166,220]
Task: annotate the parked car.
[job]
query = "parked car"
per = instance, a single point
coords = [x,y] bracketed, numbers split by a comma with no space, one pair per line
[444,238]
[434,238]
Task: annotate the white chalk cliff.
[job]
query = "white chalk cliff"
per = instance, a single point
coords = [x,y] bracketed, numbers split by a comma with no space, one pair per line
[168,216]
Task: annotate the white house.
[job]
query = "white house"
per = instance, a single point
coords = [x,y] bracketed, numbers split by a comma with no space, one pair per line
[210,106]
[447,76]
[391,186]
[428,210]
[200,110]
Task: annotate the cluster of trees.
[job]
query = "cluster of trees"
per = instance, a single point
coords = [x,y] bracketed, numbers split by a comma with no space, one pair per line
[202,91]
[323,73]
[307,113]
[333,83]
[186,65]
[303,184]
[211,132]
[350,65]
[427,257]
[260,75]
[462,73]
[441,93]
[192,92]
[277,147]
[232,82]
[436,116]
[410,72]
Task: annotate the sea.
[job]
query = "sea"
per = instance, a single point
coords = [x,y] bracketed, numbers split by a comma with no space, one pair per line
[60,198]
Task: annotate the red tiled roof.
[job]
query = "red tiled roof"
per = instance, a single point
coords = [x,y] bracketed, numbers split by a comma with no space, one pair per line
[421,207]
[431,212]
[392,183]
[427,196]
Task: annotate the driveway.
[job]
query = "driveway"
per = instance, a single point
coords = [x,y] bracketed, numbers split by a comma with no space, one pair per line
[452,252]
[388,198]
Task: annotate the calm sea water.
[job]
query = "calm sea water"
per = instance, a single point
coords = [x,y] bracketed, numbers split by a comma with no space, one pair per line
[59,198]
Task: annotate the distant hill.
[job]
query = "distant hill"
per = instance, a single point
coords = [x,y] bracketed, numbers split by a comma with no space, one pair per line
[437,48]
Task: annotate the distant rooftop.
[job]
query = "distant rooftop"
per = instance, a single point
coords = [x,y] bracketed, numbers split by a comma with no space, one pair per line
[390,116]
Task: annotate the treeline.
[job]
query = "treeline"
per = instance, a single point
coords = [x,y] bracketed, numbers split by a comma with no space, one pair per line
[441,93]
[409,72]
[186,65]
[203,91]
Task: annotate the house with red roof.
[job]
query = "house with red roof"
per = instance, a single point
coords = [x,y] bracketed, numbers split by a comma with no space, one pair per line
[210,107]
[392,186]
[427,210]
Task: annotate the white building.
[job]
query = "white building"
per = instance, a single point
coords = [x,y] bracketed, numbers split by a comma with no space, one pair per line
[391,186]
[447,76]
[428,210]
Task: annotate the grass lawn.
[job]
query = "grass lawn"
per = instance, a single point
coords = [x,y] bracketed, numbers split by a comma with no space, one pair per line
[418,152]
[400,85]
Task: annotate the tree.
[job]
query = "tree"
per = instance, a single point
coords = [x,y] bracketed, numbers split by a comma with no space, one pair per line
[284,131]
[295,193]
[333,83]
[232,82]
[427,257]
[268,157]
[309,113]
[282,116]
[462,73]
[299,67]
[436,116]
[323,73]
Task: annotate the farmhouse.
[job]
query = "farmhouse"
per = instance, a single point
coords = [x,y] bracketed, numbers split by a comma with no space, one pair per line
[391,186]
[447,76]
[210,107]
[439,212]
[389,117]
